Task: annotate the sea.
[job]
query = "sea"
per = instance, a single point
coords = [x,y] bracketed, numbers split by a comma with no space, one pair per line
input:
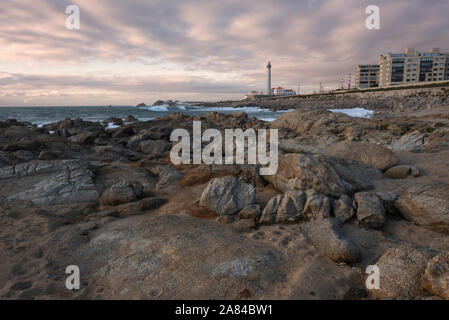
[45,115]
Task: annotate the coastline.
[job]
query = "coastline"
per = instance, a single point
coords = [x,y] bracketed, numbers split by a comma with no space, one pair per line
[349,192]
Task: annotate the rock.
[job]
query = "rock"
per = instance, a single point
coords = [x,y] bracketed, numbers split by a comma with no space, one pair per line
[245,225]
[158,103]
[240,114]
[225,219]
[427,206]
[270,210]
[412,141]
[400,273]
[150,203]
[327,236]
[141,105]
[414,172]
[291,207]
[388,198]
[89,134]
[167,175]
[153,146]
[46,182]
[122,192]
[251,211]
[366,152]
[113,120]
[436,276]
[398,172]
[305,171]
[17,137]
[343,208]
[227,196]
[130,118]
[317,206]
[370,210]
[25,155]
[46,155]
[356,175]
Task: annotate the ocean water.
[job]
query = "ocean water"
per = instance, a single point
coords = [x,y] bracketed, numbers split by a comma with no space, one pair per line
[355,112]
[45,115]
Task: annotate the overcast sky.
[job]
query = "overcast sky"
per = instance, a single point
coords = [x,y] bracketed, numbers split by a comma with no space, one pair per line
[128,52]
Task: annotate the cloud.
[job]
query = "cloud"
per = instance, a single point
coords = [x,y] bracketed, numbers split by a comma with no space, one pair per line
[197,48]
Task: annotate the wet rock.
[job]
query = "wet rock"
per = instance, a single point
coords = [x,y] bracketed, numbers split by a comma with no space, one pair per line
[270,210]
[426,206]
[400,273]
[436,276]
[227,196]
[370,210]
[327,236]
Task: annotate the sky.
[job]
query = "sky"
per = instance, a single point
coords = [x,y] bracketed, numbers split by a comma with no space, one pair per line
[128,52]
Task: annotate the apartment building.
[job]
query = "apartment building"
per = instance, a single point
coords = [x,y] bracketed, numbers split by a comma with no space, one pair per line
[413,66]
[367,76]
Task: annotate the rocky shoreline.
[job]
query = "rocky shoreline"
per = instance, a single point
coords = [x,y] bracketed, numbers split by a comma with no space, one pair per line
[349,193]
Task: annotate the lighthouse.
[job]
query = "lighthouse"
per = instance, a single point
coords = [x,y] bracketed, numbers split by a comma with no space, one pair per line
[269,78]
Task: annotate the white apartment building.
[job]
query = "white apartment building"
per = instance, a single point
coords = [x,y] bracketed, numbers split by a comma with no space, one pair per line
[413,66]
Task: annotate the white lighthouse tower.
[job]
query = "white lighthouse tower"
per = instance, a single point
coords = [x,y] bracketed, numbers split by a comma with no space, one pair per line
[269,79]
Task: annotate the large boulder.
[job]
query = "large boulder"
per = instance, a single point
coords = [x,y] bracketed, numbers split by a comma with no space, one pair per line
[327,236]
[366,152]
[47,182]
[400,273]
[436,276]
[427,206]
[89,134]
[227,196]
[370,210]
[305,171]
